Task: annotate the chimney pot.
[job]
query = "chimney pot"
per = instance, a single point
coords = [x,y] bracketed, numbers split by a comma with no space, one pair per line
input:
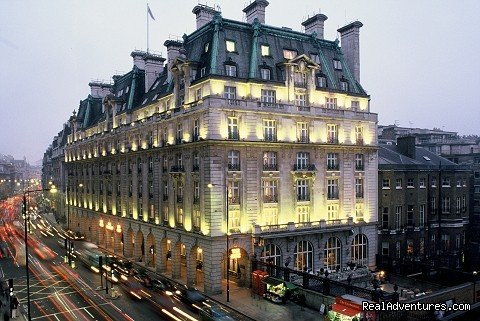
[138,61]
[204,14]
[153,68]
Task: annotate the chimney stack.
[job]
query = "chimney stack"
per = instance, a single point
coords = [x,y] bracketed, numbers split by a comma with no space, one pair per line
[350,37]
[315,24]
[138,59]
[204,14]
[406,146]
[256,9]
[153,68]
[99,89]
[173,51]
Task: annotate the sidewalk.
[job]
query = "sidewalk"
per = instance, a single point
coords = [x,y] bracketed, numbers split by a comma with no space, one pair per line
[260,309]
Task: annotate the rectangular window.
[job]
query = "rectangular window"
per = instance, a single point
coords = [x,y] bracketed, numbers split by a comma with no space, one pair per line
[270,191]
[446,182]
[445,204]
[331,103]
[385,183]
[410,214]
[398,217]
[234,160]
[289,54]
[359,135]
[179,136]
[434,182]
[203,71]
[230,93]
[196,192]
[464,203]
[385,248]
[355,105]
[359,162]
[410,183]
[421,212]
[321,81]
[198,94]
[332,189]
[269,130]
[422,183]
[196,130]
[302,190]
[270,216]
[337,64]
[234,192]
[315,58]
[233,128]
[270,161]
[332,212]
[476,174]
[359,211]
[385,218]
[230,45]
[302,132]
[398,183]
[265,73]
[301,100]
[332,134]
[268,97]
[344,85]
[265,50]
[333,162]
[433,204]
[476,189]
[458,206]
[197,219]
[231,70]
[445,242]
[359,187]
[303,160]
[303,214]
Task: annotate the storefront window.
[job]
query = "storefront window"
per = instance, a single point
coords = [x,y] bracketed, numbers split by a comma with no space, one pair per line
[271,254]
[303,256]
[333,253]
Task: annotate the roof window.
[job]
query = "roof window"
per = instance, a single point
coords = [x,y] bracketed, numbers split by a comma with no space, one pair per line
[265,50]
[289,54]
[230,45]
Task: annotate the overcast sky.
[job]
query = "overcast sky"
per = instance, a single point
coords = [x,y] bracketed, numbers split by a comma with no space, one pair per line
[419,59]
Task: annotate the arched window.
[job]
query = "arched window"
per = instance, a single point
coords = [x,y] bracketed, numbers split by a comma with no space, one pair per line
[303,256]
[360,249]
[333,254]
[271,254]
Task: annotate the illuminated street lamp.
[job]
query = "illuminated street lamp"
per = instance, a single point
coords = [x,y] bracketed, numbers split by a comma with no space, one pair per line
[26,217]
[210,185]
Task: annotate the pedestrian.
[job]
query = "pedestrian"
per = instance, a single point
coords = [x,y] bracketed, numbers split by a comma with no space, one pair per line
[14,306]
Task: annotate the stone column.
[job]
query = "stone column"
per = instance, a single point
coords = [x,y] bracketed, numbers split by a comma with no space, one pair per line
[191,267]
[176,260]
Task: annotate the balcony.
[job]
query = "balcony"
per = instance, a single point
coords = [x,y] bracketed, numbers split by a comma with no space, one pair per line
[233,102]
[234,167]
[270,167]
[291,228]
[303,108]
[332,196]
[359,167]
[270,199]
[333,167]
[332,140]
[304,167]
[177,169]
[266,104]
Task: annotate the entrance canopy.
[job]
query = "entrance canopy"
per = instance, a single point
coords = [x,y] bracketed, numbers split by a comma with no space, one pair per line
[345,310]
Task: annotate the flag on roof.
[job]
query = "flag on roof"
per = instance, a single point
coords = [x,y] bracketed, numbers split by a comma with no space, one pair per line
[150,12]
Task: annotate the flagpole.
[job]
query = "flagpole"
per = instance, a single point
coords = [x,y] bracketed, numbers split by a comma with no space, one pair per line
[147,28]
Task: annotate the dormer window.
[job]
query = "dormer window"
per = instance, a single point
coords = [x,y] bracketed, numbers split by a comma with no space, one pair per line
[265,73]
[315,58]
[230,45]
[322,81]
[205,48]
[203,71]
[337,65]
[265,50]
[231,70]
[289,54]
[344,85]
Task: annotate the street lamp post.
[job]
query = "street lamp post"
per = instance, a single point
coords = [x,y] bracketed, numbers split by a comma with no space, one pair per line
[228,232]
[27,222]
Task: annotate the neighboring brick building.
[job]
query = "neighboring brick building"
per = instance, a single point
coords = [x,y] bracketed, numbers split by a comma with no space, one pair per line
[423,208]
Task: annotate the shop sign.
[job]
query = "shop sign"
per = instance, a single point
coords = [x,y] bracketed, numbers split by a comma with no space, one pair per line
[235,254]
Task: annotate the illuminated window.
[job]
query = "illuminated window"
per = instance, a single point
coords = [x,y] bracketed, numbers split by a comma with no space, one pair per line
[303,256]
[234,219]
[359,187]
[289,54]
[269,130]
[265,50]
[206,47]
[233,128]
[271,254]
[359,211]
[230,45]
[303,214]
[268,97]
[270,161]
[197,218]
[196,129]
[270,191]
[331,103]
[332,133]
[332,254]
[234,192]
[359,135]
[270,216]
[360,249]
[332,212]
